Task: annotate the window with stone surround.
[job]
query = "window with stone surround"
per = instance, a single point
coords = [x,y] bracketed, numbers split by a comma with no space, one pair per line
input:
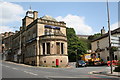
[48,48]
[62,48]
[43,48]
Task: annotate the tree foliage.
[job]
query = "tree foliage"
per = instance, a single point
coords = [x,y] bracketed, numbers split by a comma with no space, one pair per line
[92,37]
[86,42]
[75,45]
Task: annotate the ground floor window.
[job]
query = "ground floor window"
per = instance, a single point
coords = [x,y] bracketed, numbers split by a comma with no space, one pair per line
[98,55]
[48,48]
[116,57]
[113,56]
[108,58]
[62,48]
[43,48]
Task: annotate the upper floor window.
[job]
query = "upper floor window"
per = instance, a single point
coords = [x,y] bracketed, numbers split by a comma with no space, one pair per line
[49,30]
[98,44]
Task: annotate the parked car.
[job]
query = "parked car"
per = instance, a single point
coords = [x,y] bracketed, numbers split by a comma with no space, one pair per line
[114,62]
[81,63]
[97,63]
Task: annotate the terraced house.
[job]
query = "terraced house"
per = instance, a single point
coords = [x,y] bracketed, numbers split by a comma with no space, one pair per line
[100,45]
[40,41]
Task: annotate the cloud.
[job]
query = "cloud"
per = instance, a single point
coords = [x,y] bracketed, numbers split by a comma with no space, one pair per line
[10,12]
[76,22]
[114,26]
[6,29]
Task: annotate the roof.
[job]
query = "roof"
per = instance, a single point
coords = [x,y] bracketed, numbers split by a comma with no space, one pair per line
[106,35]
[46,17]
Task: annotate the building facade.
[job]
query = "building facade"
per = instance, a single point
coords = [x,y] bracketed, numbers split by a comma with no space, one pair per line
[6,45]
[101,45]
[83,36]
[40,41]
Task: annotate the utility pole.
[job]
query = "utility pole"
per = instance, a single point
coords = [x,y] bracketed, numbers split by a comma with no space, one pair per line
[76,57]
[109,34]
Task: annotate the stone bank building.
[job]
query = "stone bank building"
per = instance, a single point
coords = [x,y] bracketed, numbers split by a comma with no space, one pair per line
[40,41]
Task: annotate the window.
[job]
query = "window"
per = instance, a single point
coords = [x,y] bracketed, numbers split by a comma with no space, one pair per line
[62,48]
[98,44]
[48,48]
[116,57]
[45,31]
[108,58]
[113,57]
[50,31]
[43,47]
[98,55]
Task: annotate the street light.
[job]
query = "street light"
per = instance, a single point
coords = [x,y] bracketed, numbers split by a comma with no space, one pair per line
[109,34]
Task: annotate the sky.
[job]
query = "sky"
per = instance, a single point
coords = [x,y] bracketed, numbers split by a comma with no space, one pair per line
[85,17]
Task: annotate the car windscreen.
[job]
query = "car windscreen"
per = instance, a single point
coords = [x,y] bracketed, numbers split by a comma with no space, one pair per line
[81,62]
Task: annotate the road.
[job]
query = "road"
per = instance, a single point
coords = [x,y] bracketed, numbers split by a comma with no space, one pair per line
[13,70]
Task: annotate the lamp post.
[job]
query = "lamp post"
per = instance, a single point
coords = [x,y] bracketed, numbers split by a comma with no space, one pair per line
[109,35]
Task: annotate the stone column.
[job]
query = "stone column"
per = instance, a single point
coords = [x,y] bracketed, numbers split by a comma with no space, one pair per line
[60,47]
[41,50]
[65,48]
[45,48]
[38,53]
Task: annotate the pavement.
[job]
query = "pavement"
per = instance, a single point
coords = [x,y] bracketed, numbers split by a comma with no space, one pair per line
[13,70]
[108,73]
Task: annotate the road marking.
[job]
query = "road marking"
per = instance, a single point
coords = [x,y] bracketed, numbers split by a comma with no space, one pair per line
[30,73]
[49,78]
[15,68]
[7,66]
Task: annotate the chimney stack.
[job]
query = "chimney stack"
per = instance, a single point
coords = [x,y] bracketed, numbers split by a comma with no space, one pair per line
[35,15]
[102,31]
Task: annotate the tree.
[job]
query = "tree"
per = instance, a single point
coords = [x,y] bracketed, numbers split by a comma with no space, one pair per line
[86,42]
[92,37]
[75,45]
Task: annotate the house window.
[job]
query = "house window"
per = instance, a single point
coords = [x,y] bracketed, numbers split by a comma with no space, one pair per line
[116,58]
[98,55]
[98,44]
[108,58]
[113,57]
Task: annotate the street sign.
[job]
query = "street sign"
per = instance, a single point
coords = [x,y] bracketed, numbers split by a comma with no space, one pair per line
[115,41]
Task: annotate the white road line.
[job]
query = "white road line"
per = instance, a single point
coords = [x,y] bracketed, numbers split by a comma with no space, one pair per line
[7,66]
[49,78]
[30,73]
[15,68]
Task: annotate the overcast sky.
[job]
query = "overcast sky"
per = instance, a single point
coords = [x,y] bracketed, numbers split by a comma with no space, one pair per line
[85,17]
